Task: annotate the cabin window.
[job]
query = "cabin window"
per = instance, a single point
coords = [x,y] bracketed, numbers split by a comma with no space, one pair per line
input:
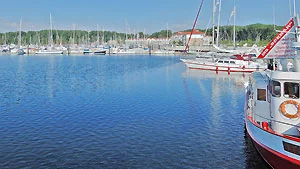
[220,61]
[232,62]
[276,89]
[261,94]
[291,90]
[226,61]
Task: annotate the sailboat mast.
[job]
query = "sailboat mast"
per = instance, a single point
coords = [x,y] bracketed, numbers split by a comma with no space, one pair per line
[213,22]
[51,35]
[219,18]
[102,35]
[97,35]
[19,41]
[5,39]
[167,31]
[74,29]
[234,10]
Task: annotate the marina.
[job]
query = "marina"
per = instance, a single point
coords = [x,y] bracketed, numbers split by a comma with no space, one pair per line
[224,96]
[133,111]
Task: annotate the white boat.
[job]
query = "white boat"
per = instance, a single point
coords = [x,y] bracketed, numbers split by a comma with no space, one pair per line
[48,52]
[272,104]
[224,65]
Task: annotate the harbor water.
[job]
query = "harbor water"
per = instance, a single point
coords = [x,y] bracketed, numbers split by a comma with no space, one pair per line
[120,112]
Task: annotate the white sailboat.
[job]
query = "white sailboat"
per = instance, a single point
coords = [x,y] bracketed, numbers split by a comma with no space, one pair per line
[50,49]
[20,51]
[229,64]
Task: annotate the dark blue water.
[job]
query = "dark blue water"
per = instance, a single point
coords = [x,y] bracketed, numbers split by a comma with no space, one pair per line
[120,112]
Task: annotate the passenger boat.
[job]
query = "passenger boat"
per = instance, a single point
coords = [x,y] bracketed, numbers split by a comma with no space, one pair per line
[225,64]
[272,104]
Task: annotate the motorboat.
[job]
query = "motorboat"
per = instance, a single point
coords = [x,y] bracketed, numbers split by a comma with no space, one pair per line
[224,64]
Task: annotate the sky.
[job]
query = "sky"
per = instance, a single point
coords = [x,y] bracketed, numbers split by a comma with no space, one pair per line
[132,16]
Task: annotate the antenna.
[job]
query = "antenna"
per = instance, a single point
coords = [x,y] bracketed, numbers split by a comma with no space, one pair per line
[290,5]
[295,14]
[274,17]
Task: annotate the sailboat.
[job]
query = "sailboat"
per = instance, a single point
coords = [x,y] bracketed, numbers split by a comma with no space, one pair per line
[230,64]
[99,49]
[49,50]
[272,103]
[20,51]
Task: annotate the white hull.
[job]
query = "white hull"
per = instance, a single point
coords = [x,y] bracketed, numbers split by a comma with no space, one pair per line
[49,52]
[221,67]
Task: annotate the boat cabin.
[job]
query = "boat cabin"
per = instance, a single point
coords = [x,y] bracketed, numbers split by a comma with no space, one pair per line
[273,97]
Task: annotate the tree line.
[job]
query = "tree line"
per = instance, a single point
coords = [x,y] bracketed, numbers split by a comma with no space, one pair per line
[260,34]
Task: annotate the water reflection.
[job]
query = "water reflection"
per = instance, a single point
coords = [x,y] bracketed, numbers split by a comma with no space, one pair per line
[118,112]
[253,160]
[226,99]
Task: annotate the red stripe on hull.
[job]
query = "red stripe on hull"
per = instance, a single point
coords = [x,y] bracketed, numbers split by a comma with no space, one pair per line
[245,71]
[274,159]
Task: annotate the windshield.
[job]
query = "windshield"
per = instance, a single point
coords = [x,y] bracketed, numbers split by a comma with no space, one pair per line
[291,90]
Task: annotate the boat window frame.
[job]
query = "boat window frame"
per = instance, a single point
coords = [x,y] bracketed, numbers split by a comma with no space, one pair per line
[275,91]
[291,92]
[261,94]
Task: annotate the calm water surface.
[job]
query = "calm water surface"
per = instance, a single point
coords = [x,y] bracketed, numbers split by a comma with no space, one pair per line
[120,112]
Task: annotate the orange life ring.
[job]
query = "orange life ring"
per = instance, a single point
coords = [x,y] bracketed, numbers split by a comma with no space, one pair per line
[283,111]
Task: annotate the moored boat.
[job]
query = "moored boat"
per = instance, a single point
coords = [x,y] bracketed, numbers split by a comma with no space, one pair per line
[48,52]
[100,52]
[272,104]
[224,65]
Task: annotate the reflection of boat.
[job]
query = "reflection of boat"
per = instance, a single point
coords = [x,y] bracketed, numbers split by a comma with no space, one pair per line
[226,64]
[272,108]
[253,159]
[238,78]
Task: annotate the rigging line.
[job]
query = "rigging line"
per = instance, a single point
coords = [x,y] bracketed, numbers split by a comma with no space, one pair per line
[186,46]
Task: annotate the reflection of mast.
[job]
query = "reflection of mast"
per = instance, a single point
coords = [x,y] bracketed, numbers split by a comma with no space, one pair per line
[20,80]
[51,77]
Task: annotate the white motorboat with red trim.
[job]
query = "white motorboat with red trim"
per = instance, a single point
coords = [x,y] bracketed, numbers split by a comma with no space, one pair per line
[272,106]
[225,65]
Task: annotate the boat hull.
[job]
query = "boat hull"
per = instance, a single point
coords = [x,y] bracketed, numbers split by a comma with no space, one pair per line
[273,147]
[49,52]
[100,53]
[221,68]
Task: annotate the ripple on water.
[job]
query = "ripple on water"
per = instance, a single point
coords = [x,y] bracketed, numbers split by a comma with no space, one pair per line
[118,112]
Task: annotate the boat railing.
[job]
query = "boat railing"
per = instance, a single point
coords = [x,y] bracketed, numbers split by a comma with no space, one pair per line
[275,121]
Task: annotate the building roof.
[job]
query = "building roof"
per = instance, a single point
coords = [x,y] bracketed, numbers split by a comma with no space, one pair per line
[195,32]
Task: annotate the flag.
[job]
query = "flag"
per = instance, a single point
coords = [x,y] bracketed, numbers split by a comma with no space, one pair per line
[231,14]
